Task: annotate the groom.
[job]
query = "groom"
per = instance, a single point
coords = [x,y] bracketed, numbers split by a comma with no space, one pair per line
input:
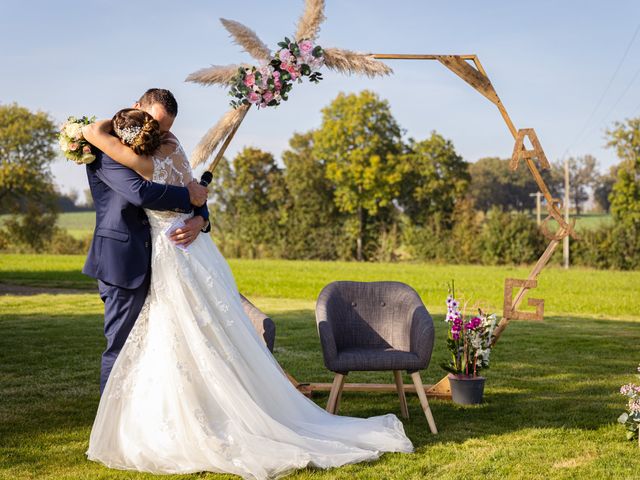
[120,253]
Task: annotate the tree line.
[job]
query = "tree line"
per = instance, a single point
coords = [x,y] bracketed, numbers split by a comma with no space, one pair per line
[354,189]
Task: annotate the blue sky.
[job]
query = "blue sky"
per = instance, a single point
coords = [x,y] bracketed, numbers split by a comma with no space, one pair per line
[549,61]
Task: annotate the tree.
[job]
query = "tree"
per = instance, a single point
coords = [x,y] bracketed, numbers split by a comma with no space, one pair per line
[510,238]
[258,198]
[583,173]
[435,179]
[26,152]
[222,209]
[493,183]
[625,197]
[312,219]
[359,141]
[603,187]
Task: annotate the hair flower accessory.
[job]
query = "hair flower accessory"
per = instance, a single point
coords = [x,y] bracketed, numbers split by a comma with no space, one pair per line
[127,134]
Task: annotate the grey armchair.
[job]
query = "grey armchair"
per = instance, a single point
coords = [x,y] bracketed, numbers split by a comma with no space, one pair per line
[366,326]
[263,324]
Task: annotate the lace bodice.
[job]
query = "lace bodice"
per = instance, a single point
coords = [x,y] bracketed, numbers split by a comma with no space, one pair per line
[170,163]
[171,167]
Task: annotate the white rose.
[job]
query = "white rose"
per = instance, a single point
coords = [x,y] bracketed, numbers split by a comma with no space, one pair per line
[74,131]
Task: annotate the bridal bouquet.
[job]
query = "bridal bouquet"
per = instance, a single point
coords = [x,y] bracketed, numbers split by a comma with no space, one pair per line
[469,339]
[72,143]
[631,418]
[269,84]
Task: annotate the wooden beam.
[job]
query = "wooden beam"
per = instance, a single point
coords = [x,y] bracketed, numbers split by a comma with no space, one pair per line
[376,388]
[471,75]
[413,56]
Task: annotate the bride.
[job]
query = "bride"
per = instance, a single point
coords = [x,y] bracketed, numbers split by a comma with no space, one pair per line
[194,387]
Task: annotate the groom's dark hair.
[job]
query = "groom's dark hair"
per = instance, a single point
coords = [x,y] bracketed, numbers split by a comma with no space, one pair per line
[161,96]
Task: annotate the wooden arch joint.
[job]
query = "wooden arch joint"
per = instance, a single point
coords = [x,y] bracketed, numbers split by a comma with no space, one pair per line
[554,209]
[521,152]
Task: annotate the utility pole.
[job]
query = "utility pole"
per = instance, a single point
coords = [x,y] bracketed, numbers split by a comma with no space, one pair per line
[565,240]
[538,196]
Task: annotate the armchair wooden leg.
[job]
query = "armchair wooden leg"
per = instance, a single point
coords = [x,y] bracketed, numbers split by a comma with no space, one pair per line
[417,381]
[337,406]
[336,392]
[404,411]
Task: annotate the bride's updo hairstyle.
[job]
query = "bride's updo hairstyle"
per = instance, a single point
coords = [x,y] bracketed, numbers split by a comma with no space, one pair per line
[137,130]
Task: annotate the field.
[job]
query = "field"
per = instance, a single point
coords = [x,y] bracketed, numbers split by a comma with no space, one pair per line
[78,224]
[551,397]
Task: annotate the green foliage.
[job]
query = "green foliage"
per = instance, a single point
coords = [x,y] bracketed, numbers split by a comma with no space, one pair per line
[26,189]
[248,205]
[510,238]
[26,152]
[435,178]
[498,238]
[493,183]
[625,197]
[614,245]
[359,142]
[604,187]
[312,220]
[62,243]
[465,234]
[31,231]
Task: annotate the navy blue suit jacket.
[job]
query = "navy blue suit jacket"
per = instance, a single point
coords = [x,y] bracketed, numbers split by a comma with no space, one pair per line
[120,252]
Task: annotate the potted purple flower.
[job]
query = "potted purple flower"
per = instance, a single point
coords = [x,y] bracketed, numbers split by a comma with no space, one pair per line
[631,418]
[469,342]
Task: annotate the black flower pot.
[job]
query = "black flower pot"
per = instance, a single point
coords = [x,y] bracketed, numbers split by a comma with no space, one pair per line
[466,390]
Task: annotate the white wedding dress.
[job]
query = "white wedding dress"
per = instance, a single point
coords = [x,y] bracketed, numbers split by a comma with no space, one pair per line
[196,389]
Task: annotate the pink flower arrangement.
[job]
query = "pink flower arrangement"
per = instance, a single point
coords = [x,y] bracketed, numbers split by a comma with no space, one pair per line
[469,342]
[270,84]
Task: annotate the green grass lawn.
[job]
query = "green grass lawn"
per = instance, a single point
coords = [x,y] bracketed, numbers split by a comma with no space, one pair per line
[599,293]
[551,396]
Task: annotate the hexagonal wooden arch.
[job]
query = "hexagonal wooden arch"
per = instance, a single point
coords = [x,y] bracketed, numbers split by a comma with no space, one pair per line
[469,68]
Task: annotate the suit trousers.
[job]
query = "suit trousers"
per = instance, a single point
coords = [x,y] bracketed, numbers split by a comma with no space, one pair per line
[121,309]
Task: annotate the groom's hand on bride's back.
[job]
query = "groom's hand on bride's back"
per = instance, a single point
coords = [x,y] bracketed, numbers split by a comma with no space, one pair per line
[197,193]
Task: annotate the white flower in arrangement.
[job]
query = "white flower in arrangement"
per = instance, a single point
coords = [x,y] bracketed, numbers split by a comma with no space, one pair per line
[73,131]
[63,143]
[469,339]
[631,418]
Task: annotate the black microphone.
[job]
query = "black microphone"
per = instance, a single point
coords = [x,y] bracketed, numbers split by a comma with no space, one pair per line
[206,178]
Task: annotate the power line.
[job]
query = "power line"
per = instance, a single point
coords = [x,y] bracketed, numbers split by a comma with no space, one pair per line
[625,91]
[604,93]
